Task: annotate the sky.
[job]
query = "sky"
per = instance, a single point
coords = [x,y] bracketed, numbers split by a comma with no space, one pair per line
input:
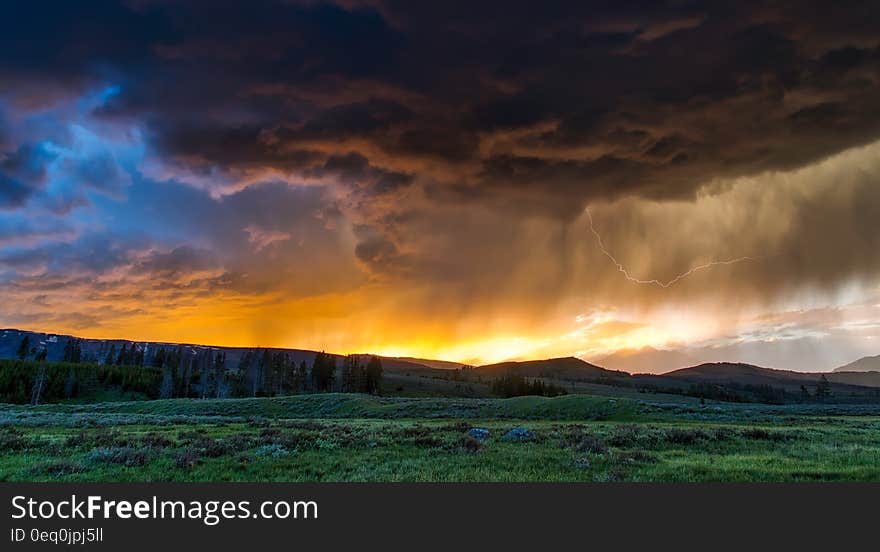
[473,182]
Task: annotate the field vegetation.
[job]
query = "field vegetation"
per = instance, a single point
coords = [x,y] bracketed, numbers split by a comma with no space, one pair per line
[349,437]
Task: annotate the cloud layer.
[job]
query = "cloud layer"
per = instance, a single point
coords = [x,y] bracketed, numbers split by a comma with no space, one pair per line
[414,178]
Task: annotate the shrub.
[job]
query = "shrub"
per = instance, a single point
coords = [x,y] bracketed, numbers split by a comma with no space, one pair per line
[188,458]
[52,448]
[108,439]
[584,442]
[12,440]
[679,436]
[593,444]
[269,436]
[637,456]
[77,440]
[414,431]
[723,434]
[765,435]
[238,442]
[629,435]
[519,434]
[195,439]
[273,450]
[616,473]
[303,424]
[469,444]
[192,435]
[427,441]
[155,440]
[212,448]
[343,436]
[59,469]
[126,456]
[458,427]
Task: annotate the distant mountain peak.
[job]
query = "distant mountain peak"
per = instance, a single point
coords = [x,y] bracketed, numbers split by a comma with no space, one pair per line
[864,364]
[560,367]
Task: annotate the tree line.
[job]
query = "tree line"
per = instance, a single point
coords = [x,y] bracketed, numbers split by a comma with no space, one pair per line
[25,350]
[175,371]
[36,382]
[513,385]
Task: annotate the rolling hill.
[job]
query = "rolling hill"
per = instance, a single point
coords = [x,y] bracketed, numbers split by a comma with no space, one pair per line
[430,363]
[864,364]
[867,379]
[560,368]
[741,375]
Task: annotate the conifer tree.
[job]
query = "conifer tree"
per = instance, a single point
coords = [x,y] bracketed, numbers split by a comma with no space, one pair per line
[122,358]
[374,376]
[24,348]
[111,355]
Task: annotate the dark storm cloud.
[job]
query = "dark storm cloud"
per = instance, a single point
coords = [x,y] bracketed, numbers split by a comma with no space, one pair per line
[526,109]
[622,80]
[98,269]
[568,104]
[357,119]
[51,47]
[182,260]
[375,249]
[22,174]
[355,169]
[364,166]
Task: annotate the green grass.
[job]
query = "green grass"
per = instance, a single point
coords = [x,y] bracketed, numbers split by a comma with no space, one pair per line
[342,405]
[338,437]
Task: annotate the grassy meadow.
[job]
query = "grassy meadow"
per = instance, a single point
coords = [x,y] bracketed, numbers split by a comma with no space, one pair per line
[345,437]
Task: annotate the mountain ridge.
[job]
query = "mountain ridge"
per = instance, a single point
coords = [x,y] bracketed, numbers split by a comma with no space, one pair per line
[94,349]
[559,367]
[864,364]
[750,374]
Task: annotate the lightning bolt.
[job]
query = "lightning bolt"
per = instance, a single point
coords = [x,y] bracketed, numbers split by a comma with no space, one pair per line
[655,282]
